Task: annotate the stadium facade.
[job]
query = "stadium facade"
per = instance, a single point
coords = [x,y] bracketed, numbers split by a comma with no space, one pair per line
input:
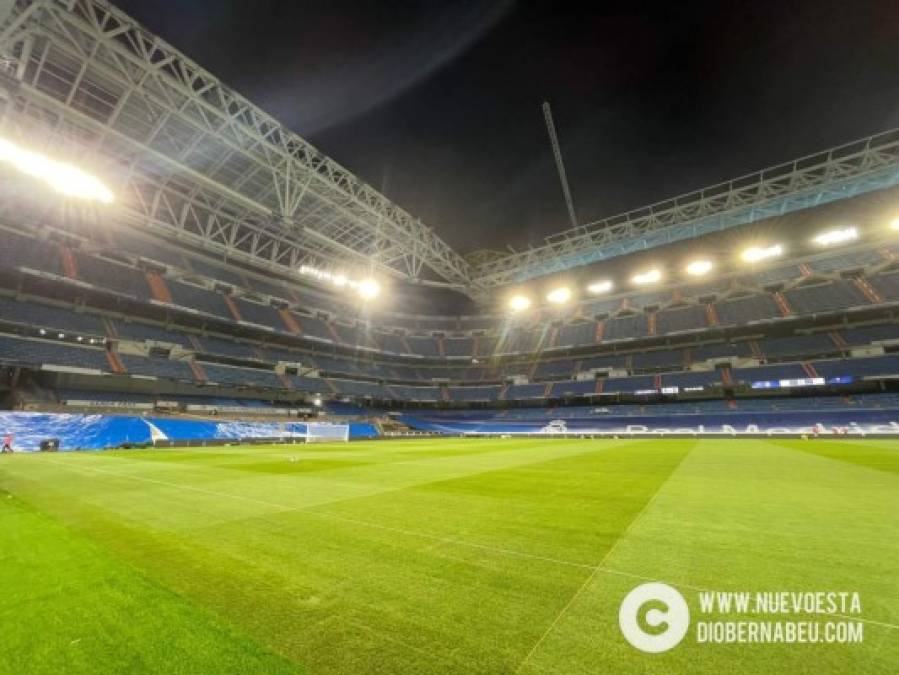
[211,285]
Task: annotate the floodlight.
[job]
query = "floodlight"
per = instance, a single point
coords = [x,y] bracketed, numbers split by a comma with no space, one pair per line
[61,336]
[519,303]
[832,237]
[317,401]
[894,224]
[559,295]
[64,178]
[756,254]
[599,287]
[697,268]
[42,331]
[369,289]
[647,277]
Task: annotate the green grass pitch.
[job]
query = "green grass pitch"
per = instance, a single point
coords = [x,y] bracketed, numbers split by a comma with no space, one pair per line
[435,556]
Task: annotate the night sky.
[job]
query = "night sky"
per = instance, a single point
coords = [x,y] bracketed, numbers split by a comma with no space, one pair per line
[438,104]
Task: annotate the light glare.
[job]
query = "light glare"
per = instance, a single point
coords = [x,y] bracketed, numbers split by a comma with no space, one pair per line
[832,237]
[559,296]
[699,267]
[369,289]
[894,224]
[598,287]
[519,303]
[648,277]
[758,253]
[63,178]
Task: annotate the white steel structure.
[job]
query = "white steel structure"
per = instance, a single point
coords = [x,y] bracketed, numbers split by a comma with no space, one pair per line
[190,159]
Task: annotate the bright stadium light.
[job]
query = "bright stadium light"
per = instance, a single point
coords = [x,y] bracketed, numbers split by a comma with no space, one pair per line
[697,268]
[559,295]
[599,287]
[369,289]
[519,303]
[833,237]
[894,224]
[756,254]
[64,178]
[647,277]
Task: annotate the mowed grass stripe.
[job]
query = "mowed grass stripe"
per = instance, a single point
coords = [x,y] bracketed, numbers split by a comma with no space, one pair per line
[748,515]
[300,583]
[414,559]
[882,455]
[69,606]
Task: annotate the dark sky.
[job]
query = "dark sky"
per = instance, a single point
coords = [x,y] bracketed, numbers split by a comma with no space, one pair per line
[438,103]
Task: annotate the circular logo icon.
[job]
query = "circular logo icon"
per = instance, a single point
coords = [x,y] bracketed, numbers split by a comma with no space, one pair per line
[654,617]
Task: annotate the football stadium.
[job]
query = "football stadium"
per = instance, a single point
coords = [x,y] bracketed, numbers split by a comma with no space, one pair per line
[242,434]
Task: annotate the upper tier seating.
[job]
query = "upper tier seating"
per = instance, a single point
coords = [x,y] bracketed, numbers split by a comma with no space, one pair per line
[862,367]
[350,388]
[215,272]
[415,393]
[18,250]
[241,376]
[825,297]
[887,285]
[869,334]
[148,248]
[111,276]
[41,352]
[138,365]
[574,388]
[703,378]
[140,331]
[525,391]
[625,327]
[315,327]
[684,318]
[424,346]
[48,316]
[747,309]
[798,345]
[780,371]
[211,345]
[628,385]
[473,393]
[459,347]
[576,334]
[554,369]
[199,299]
[261,315]
[658,359]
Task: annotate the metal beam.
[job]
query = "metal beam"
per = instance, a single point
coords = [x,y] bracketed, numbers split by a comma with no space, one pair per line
[90,61]
[845,171]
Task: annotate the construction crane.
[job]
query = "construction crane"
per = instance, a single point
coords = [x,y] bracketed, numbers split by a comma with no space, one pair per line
[560,165]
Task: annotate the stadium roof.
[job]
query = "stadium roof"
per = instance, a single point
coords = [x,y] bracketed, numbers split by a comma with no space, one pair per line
[193,160]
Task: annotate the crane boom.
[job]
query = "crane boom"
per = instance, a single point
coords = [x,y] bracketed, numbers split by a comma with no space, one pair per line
[560,165]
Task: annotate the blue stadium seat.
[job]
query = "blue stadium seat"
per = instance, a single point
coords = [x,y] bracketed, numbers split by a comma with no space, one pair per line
[745,310]
[40,352]
[36,315]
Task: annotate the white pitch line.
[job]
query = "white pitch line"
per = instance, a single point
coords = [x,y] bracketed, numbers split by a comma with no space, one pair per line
[592,576]
[446,540]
